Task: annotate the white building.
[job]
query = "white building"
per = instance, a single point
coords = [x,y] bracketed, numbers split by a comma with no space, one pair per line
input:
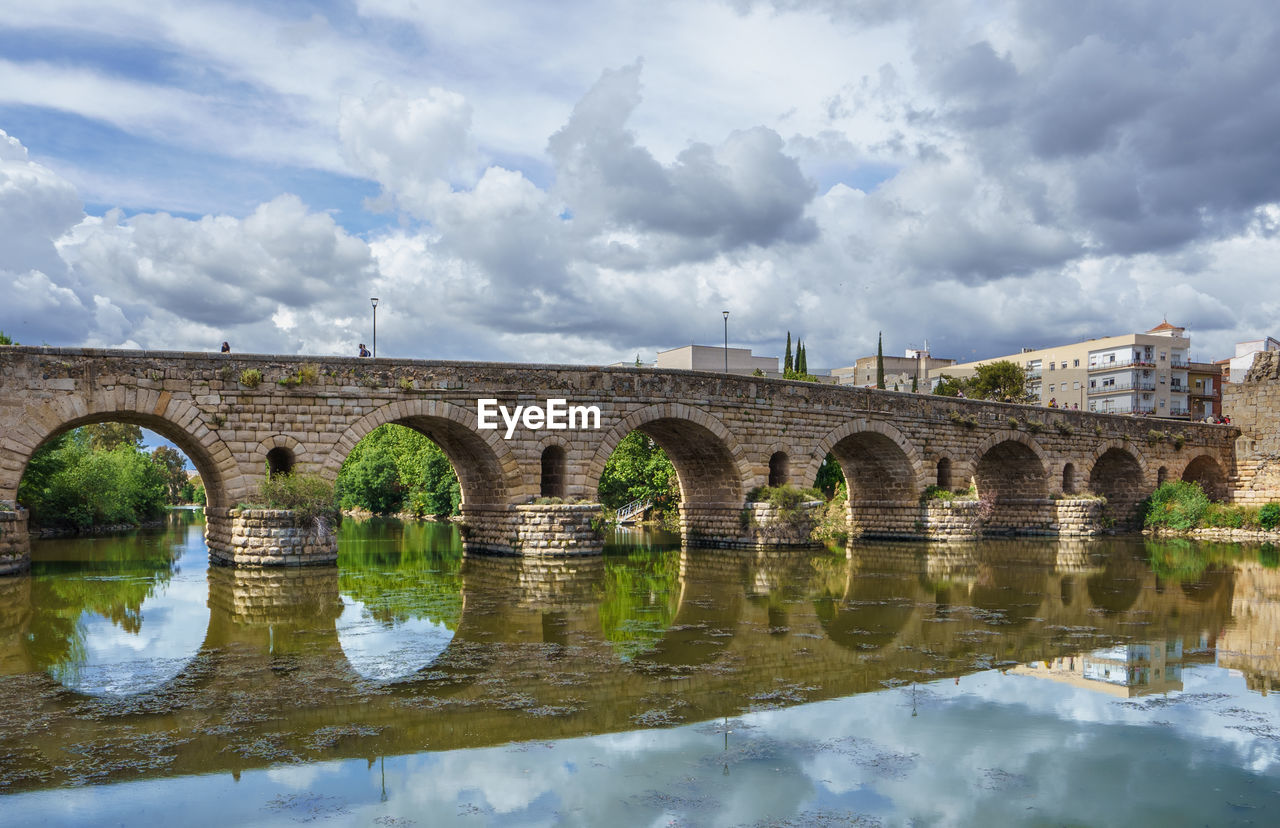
[713,358]
[1245,352]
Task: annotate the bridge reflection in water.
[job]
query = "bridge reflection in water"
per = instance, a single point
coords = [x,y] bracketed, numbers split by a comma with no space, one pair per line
[409,645]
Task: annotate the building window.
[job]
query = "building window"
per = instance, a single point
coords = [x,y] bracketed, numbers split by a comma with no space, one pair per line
[1052,365]
[1050,388]
[1075,386]
[1075,363]
[1093,383]
[1162,354]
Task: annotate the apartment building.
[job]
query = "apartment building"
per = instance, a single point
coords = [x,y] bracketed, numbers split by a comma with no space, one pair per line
[1140,373]
[1205,385]
[898,371]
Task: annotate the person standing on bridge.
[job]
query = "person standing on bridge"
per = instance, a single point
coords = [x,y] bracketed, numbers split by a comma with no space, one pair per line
[364,352]
[226,347]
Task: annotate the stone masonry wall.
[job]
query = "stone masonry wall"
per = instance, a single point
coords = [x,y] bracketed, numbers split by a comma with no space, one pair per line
[267,537]
[534,529]
[1254,407]
[15,547]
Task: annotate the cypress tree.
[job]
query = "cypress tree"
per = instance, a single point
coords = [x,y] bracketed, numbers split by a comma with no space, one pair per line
[787,365]
[915,385]
[880,360]
[804,362]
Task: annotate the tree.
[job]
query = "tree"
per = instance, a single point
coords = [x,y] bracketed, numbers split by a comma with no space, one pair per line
[949,386]
[173,467]
[108,436]
[639,469]
[787,364]
[1002,380]
[372,482]
[404,470]
[880,360]
[69,483]
[915,384]
[830,475]
[4,340]
[802,362]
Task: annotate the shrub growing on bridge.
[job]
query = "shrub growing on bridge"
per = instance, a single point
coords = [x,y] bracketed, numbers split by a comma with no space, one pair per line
[310,496]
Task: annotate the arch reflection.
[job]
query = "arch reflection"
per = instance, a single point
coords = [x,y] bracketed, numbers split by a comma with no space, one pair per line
[401,592]
[118,616]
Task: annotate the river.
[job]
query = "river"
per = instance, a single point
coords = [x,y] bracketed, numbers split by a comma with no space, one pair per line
[1004,682]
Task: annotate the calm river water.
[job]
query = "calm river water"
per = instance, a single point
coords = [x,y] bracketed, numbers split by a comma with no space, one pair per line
[1007,682]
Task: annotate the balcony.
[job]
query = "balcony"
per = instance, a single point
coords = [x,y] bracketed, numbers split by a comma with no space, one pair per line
[1125,409]
[1179,363]
[1141,385]
[1034,373]
[1121,363]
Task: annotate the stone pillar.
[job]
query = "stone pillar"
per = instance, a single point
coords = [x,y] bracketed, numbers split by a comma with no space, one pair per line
[534,529]
[267,537]
[747,526]
[15,545]
[1079,517]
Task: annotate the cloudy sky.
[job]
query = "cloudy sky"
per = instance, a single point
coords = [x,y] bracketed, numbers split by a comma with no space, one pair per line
[585,181]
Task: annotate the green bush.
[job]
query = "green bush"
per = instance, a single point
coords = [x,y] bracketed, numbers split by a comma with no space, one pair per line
[1176,505]
[1269,516]
[833,520]
[251,377]
[1223,516]
[940,493]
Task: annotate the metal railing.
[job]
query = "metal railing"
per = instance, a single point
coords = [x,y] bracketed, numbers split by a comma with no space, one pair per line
[1122,363]
[1116,389]
[633,510]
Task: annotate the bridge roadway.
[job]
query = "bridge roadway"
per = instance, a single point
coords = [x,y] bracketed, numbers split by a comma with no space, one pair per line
[529,658]
[725,435]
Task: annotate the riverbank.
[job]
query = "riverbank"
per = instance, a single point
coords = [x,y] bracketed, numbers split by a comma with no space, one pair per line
[365,514]
[92,531]
[1217,533]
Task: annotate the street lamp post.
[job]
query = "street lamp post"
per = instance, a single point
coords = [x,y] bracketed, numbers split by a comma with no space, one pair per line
[374,301]
[726,341]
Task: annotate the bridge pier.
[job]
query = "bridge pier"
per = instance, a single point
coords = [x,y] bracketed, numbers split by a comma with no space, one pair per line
[15,544]
[533,529]
[267,537]
[749,526]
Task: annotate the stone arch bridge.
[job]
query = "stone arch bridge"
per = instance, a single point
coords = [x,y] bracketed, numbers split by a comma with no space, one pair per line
[236,416]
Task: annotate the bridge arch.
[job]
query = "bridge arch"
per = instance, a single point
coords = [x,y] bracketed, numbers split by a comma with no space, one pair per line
[279,453]
[176,420]
[1012,475]
[883,472]
[1119,474]
[1205,470]
[711,466]
[488,472]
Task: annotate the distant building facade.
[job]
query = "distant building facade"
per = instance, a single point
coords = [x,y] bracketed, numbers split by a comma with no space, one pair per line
[1205,383]
[1239,365]
[712,358]
[898,371]
[1146,373]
